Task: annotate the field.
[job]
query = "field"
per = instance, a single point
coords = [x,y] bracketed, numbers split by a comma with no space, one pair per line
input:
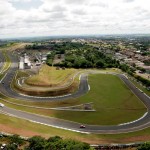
[112,108]
[14,126]
[5,66]
[69,84]
[119,106]
[7,63]
[113,103]
[49,76]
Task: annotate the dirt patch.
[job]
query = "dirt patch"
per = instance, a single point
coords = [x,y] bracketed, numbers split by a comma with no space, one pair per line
[58,58]
[91,140]
[19,131]
[137,138]
[27,133]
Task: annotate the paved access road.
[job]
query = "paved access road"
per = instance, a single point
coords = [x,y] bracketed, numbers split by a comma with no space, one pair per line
[140,124]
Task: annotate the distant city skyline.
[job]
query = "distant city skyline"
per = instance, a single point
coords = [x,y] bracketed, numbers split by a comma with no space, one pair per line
[30,18]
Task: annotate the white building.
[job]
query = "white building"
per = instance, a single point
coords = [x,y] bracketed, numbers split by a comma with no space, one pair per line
[24,62]
[21,63]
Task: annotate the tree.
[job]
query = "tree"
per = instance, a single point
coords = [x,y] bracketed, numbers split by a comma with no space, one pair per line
[124,67]
[36,143]
[145,146]
[54,139]
[16,139]
[11,147]
[75,145]
[100,64]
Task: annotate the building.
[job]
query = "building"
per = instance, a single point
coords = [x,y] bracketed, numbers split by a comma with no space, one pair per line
[24,62]
[21,63]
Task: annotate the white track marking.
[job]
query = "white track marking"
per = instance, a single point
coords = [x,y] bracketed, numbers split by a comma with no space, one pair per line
[134,120]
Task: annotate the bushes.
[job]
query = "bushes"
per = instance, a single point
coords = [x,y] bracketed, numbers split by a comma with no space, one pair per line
[143,80]
[15,142]
[16,139]
[131,71]
[145,146]
[36,143]
[55,143]
[88,59]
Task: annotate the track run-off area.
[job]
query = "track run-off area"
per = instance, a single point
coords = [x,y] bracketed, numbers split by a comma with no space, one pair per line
[136,125]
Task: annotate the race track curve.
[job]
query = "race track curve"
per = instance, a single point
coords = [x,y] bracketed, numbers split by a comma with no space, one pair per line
[139,124]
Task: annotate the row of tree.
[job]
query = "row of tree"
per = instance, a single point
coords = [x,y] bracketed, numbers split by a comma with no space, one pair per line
[131,71]
[15,142]
[40,143]
[87,58]
[145,146]
[143,80]
[79,55]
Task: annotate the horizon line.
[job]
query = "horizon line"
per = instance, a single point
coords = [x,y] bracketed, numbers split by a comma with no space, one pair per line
[65,36]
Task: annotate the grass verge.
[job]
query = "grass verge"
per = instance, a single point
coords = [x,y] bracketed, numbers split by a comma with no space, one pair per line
[51,76]
[7,62]
[25,128]
[140,87]
[44,91]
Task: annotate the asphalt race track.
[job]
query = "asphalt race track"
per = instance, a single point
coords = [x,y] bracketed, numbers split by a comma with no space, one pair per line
[139,124]
[6,89]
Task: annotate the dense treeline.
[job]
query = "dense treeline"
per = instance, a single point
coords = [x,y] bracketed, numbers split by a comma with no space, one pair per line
[128,69]
[143,80]
[145,146]
[15,142]
[84,56]
[79,55]
[63,47]
[55,143]
[131,71]
[50,58]
[35,46]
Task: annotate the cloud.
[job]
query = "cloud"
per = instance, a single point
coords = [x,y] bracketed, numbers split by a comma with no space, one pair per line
[3,6]
[74,17]
[99,4]
[78,2]
[79,12]
[55,8]
[128,1]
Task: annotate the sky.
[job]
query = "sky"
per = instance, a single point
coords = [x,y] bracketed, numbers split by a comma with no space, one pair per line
[26,18]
